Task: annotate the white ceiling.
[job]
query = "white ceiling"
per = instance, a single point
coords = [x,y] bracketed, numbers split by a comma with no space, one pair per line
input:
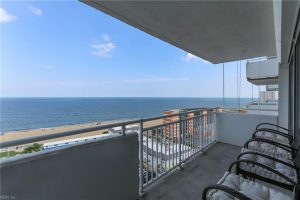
[214,31]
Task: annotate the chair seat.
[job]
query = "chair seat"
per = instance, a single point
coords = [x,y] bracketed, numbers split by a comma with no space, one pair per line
[273,137]
[253,190]
[268,149]
[284,169]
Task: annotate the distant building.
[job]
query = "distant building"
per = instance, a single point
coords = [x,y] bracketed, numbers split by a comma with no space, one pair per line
[267,96]
[173,129]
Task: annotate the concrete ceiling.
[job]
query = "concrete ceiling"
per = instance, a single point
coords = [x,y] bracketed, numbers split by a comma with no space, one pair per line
[214,31]
[290,11]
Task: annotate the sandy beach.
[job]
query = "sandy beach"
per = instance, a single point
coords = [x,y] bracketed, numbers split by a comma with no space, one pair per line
[14,135]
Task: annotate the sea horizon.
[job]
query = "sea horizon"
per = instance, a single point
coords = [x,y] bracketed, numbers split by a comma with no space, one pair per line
[123,97]
[27,113]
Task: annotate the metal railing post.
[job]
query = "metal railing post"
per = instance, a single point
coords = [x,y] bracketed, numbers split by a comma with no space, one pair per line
[123,130]
[217,125]
[202,133]
[141,137]
[180,139]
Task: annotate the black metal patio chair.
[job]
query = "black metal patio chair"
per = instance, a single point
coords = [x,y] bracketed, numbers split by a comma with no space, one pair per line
[272,148]
[233,186]
[274,135]
[253,165]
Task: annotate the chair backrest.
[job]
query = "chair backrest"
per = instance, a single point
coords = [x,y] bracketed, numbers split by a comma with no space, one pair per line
[273,126]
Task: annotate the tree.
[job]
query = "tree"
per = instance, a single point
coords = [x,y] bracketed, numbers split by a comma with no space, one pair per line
[34,148]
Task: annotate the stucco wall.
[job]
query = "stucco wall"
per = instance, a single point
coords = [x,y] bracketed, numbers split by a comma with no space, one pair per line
[237,128]
[106,169]
[283,100]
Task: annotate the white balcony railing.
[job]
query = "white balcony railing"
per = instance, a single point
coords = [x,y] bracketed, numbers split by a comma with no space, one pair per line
[166,147]
[162,148]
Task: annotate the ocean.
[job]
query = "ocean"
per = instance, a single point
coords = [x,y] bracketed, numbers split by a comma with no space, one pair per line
[32,113]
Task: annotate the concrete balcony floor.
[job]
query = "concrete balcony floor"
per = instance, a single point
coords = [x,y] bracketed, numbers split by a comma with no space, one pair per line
[204,169]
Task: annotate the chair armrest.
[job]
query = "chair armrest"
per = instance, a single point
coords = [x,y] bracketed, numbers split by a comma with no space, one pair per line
[237,163]
[224,189]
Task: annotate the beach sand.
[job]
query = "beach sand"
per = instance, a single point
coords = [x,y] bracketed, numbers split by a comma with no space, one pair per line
[15,135]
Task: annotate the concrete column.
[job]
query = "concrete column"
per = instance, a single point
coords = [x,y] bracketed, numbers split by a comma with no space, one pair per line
[283,99]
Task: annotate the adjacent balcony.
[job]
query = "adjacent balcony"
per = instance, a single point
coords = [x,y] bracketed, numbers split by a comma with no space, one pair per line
[262,72]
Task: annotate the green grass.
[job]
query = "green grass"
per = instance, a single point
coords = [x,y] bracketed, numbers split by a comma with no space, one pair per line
[9,154]
[30,149]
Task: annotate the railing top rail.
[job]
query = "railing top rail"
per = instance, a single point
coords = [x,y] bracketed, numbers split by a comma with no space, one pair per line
[245,108]
[177,121]
[91,129]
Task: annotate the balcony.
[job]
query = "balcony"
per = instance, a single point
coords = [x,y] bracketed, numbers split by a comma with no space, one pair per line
[178,158]
[204,169]
[263,72]
[174,160]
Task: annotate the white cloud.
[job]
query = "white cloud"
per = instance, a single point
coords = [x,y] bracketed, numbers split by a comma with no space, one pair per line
[104,48]
[6,17]
[190,57]
[156,79]
[36,11]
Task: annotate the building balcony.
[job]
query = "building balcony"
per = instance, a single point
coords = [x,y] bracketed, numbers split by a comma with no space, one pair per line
[262,72]
[154,163]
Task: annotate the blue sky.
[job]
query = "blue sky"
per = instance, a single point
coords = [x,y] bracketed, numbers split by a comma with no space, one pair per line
[66,48]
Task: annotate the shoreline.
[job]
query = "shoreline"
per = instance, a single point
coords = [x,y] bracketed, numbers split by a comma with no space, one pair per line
[88,124]
[65,125]
[15,135]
